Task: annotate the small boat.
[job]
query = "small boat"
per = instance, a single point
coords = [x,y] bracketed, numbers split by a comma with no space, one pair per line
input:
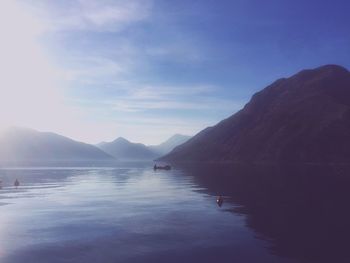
[220,200]
[16,184]
[164,167]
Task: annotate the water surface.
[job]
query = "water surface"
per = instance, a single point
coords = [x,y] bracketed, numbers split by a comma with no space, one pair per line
[130,213]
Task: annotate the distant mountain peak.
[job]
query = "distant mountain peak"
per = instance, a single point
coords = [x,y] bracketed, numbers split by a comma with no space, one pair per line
[177,135]
[121,139]
[170,143]
[23,144]
[325,71]
[123,149]
[330,67]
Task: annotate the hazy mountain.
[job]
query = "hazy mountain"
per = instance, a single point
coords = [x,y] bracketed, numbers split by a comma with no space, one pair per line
[170,144]
[21,144]
[303,118]
[122,149]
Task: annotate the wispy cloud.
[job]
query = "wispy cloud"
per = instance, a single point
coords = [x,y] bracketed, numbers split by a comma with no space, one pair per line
[97,15]
[138,99]
[179,50]
[118,70]
[193,98]
[164,91]
[168,104]
[91,69]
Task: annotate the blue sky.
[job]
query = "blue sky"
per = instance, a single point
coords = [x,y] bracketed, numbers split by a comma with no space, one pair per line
[147,69]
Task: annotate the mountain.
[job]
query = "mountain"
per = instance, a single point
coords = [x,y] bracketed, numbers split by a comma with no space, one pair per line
[301,119]
[21,144]
[122,149]
[170,144]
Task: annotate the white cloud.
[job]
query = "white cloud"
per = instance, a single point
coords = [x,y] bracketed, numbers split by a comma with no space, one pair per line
[34,90]
[179,50]
[161,92]
[135,98]
[90,69]
[194,97]
[127,104]
[92,15]
[150,114]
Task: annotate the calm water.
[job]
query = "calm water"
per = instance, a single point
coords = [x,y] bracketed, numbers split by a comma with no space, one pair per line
[129,213]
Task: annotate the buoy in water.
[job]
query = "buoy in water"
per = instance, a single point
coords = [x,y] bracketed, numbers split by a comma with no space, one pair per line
[16,183]
[220,201]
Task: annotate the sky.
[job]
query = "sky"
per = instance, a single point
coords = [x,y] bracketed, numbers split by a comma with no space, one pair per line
[94,70]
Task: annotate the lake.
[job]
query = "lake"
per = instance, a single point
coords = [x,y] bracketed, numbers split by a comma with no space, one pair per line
[127,212]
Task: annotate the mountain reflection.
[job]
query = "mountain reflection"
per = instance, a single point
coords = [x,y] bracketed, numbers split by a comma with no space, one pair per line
[302,211]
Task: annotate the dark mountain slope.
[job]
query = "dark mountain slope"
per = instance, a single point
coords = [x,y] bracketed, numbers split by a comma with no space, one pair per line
[304,118]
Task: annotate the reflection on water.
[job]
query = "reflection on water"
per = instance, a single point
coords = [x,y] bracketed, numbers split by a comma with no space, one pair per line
[131,213]
[302,211]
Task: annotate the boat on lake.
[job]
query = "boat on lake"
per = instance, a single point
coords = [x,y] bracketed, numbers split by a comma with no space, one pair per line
[162,167]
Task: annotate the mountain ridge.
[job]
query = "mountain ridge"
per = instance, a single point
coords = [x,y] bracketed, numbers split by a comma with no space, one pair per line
[123,149]
[168,145]
[288,121]
[24,144]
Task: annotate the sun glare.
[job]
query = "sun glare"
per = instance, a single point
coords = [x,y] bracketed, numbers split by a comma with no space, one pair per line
[28,83]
